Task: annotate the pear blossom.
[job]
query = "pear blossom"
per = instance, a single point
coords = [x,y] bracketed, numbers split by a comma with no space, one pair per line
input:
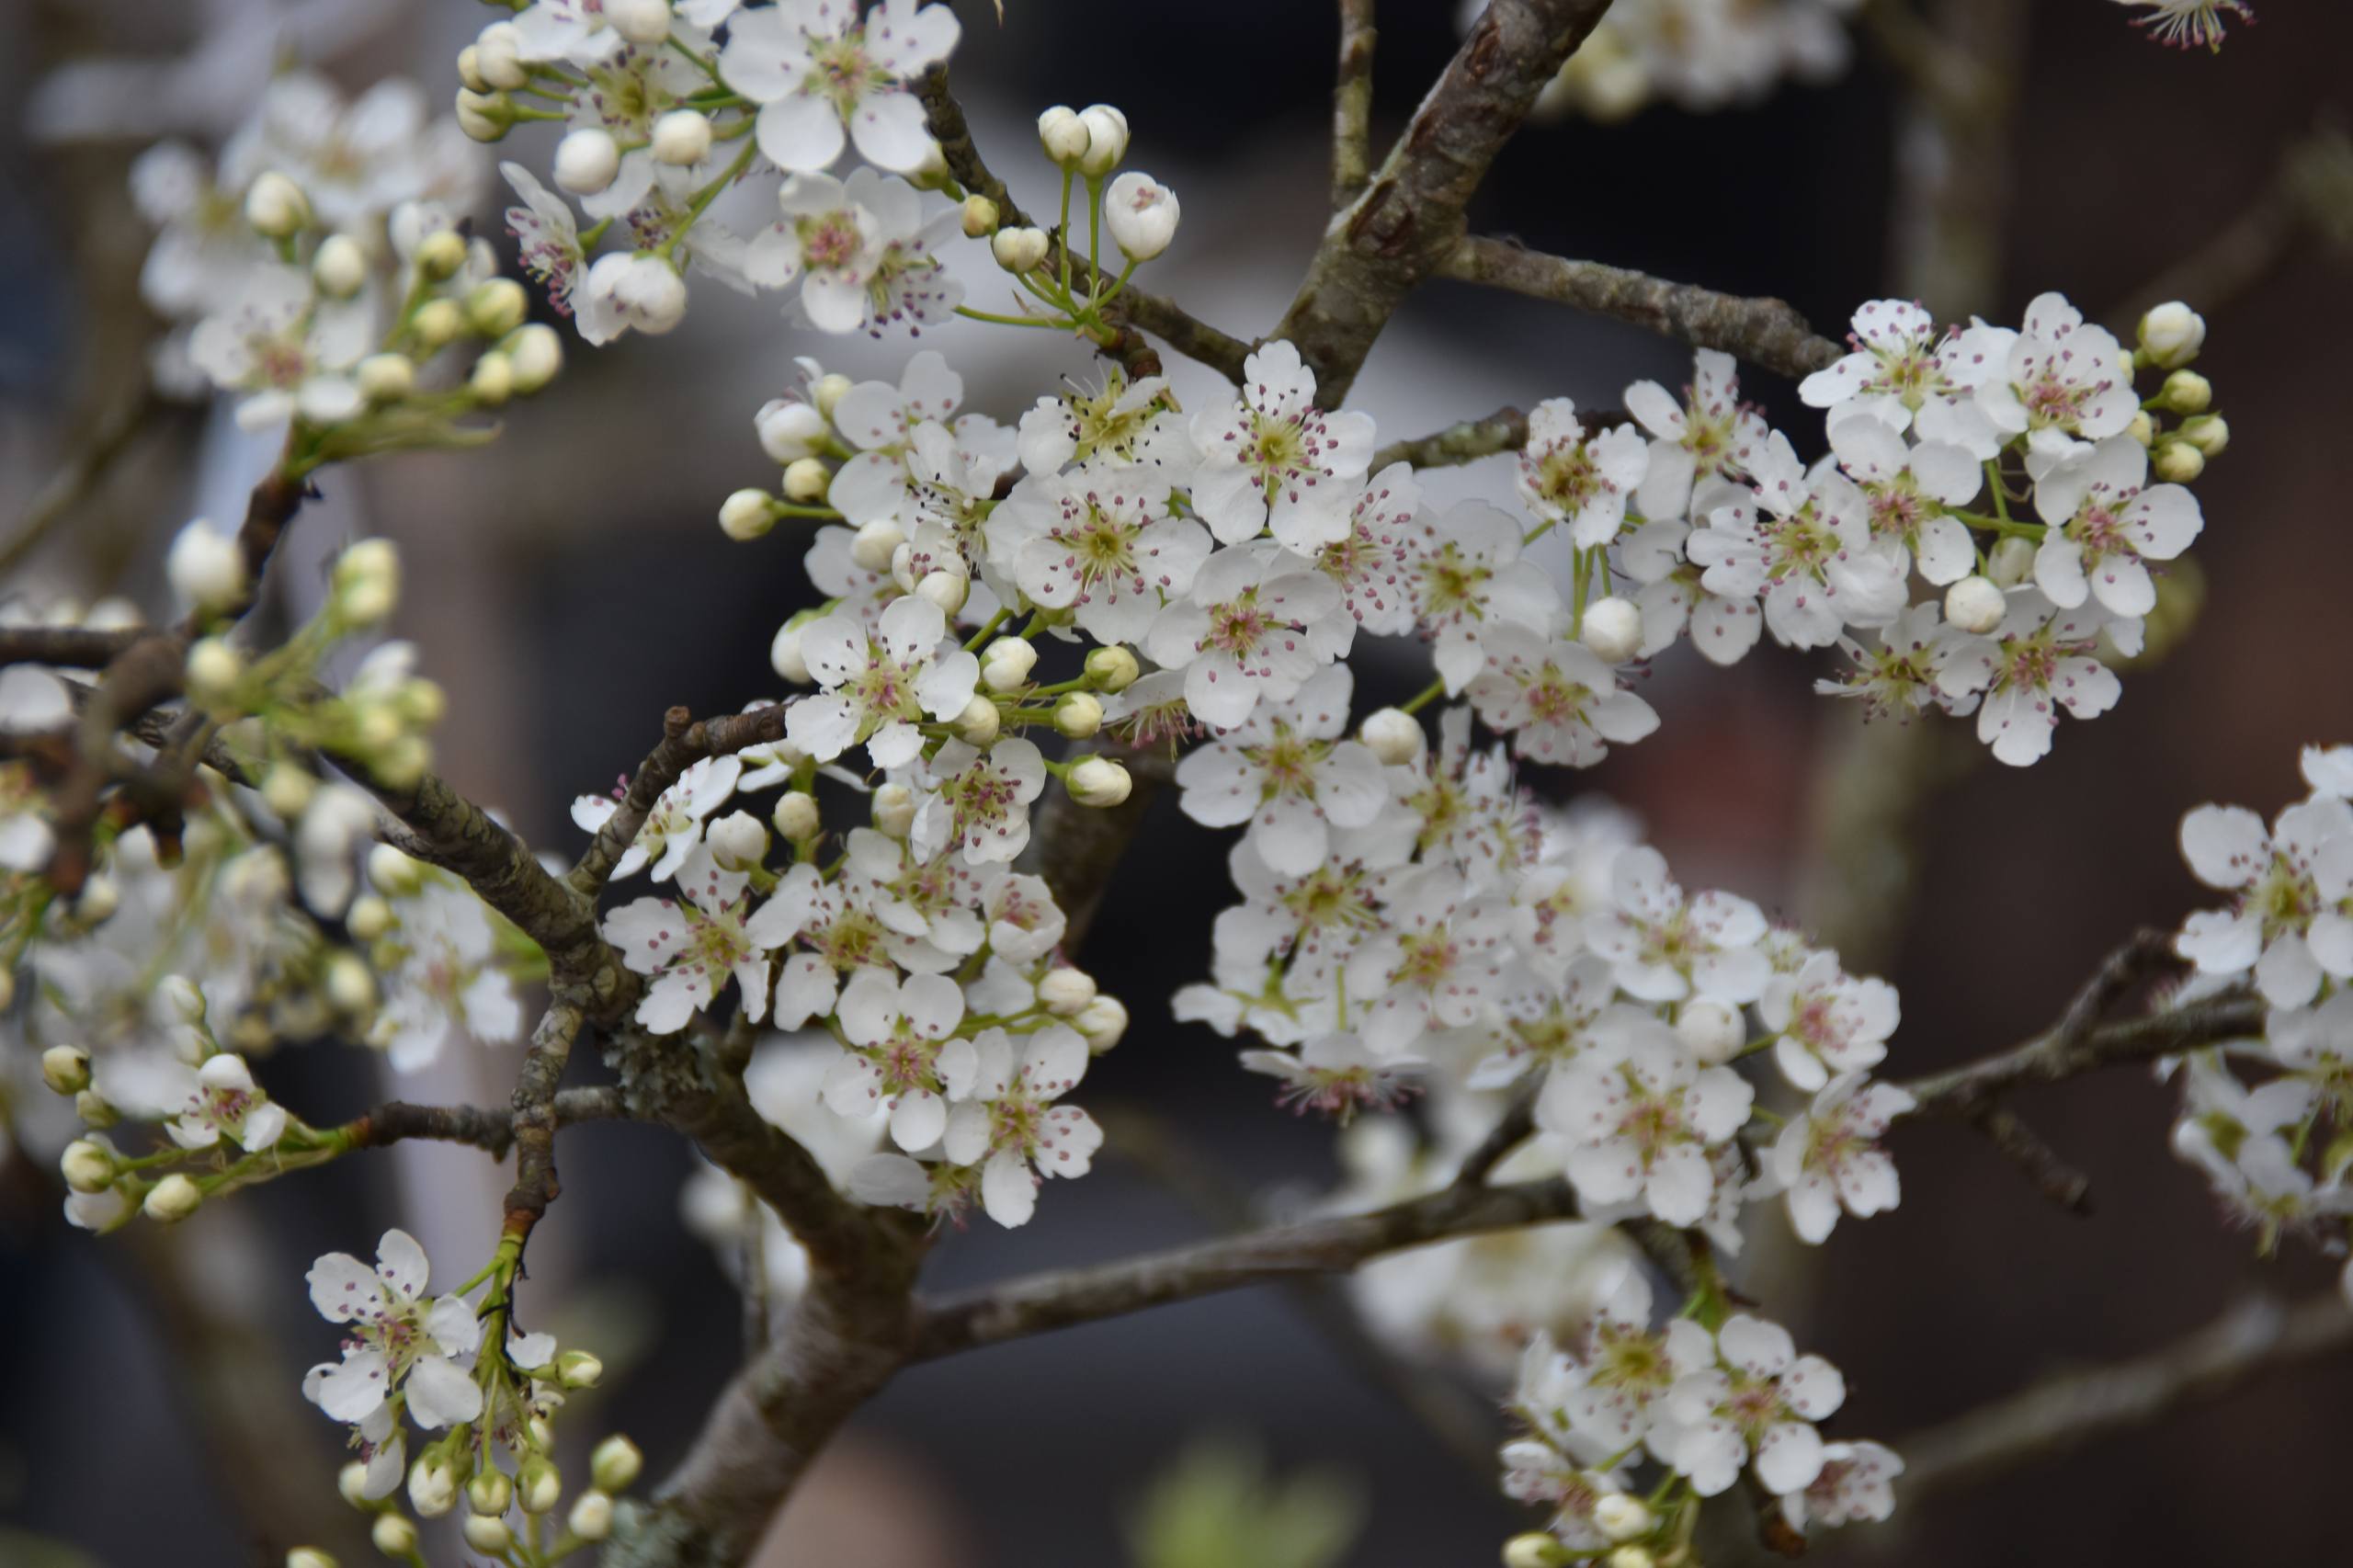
[1831,1156]
[574,31]
[1708,435]
[1464,577]
[2188,24]
[398,1346]
[1556,700]
[1637,1117]
[860,248]
[1273,458]
[1909,491]
[674,827]
[290,352]
[1258,622]
[689,945]
[2106,521]
[1010,1125]
[1805,544]
[899,1054]
[819,71]
[1364,562]
[1762,1399]
[878,687]
[1100,542]
[1132,424]
[2037,663]
[1857,1481]
[1662,947]
[2065,383]
[1287,772]
[223,1100]
[1337,1075]
[2289,922]
[881,421]
[1565,476]
[1908,376]
[443,982]
[1897,677]
[980,800]
[1826,1021]
[1446,951]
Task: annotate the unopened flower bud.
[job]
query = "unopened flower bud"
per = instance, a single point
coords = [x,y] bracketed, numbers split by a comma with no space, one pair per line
[1620,1516]
[1098,781]
[1103,1022]
[206,569]
[1714,1032]
[490,1493]
[737,841]
[747,514]
[367,581]
[790,429]
[394,1535]
[538,354]
[2187,392]
[275,205]
[1631,1557]
[797,817]
[470,69]
[1106,139]
[2210,433]
[616,1464]
[538,1486]
[2171,334]
[65,1069]
[979,723]
[498,57]
[894,810]
[806,480]
[1078,715]
[369,917]
[432,1486]
[981,217]
[340,267]
[1534,1551]
[493,381]
[386,377]
[436,324]
[682,137]
[98,901]
[1612,628]
[496,306]
[350,985]
[487,1532]
[2144,427]
[2177,462]
[640,21]
[1018,250]
[286,790]
[577,1369]
[395,873]
[875,542]
[1142,214]
[586,161]
[2010,561]
[1063,135]
[351,1482]
[213,667]
[1392,735]
[441,254]
[87,1166]
[947,589]
[172,1199]
[591,1518]
[1976,604]
[1005,663]
[828,391]
[94,1111]
[1112,669]
[482,116]
[1066,992]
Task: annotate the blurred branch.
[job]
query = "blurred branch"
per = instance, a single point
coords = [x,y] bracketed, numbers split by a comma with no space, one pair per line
[685,742]
[2067,1411]
[1510,1130]
[2312,194]
[72,647]
[1076,848]
[1505,431]
[1763,331]
[82,469]
[1352,103]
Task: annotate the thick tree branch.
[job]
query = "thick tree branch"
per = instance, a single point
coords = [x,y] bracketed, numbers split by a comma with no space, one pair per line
[685,742]
[488,1128]
[71,647]
[533,1116]
[1405,224]
[1763,331]
[1352,103]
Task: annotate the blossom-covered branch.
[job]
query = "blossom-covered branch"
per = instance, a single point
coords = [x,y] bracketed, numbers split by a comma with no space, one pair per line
[685,742]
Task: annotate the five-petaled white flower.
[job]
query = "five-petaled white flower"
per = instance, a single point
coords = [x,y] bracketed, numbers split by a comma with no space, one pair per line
[1827,1021]
[674,827]
[1259,620]
[1662,947]
[398,1343]
[1638,1116]
[286,349]
[1909,377]
[819,70]
[1287,773]
[2290,923]
[1762,1399]
[879,687]
[898,1053]
[1274,458]
[1566,476]
[1708,435]
[2104,521]
[2037,662]
[689,944]
[1010,1124]
[2065,382]
[1830,1156]
[220,1099]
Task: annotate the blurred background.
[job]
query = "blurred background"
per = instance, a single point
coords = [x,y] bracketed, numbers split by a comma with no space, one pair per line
[569,583]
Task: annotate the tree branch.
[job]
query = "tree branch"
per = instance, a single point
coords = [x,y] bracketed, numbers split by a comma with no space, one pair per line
[1404,226]
[488,1128]
[685,742]
[1765,331]
[1076,848]
[1505,431]
[1352,103]
[109,438]
[1508,1133]
[71,647]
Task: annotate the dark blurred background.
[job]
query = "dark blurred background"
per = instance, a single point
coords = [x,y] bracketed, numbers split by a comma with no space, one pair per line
[569,583]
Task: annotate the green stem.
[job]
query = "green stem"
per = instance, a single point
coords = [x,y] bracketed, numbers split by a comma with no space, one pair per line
[704,197]
[1423,697]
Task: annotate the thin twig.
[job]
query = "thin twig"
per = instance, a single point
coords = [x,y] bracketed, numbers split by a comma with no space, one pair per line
[1510,1130]
[82,471]
[685,742]
[1352,104]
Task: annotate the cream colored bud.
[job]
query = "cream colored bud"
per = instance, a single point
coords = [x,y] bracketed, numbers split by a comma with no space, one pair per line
[94,1111]
[537,352]
[1612,628]
[894,810]
[1620,1516]
[1392,735]
[275,205]
[205,567]
[386,377]
[1063,135]
[436,324]
[828,391]
[640,21]
[65,1069]
[1103,1022]
[797,817]
[87,1166]
[432,1486]
[1005,663]
[1078,715]
[1098,781]
[482,116]
[1066,992]
[394,1535]
[367,581]
[591,1518]
[489,1533]
[538,1486]
[350,985]
[577,1369]
[98,901]
[339,267]
[806,479]
[181,998]
[369,917]
[469,74]
[286,790]
[2143,427]
[616,1464]
[2187,392]
[981,217]
[1112,669]
[1106,139]
[588,160]
[2177,462]
[395,874]
[352,1480]
[496,306]
[499,56]
[1142,214]
[441,254]
[1018,250]
[979,723]
[214,668]
[947,589]
[172,1199]
[2210,433]
[490,1493]
[2010,561]
[1632,1557]
[747,514]
[2171,334]
[1534,1551]
[682,137]
[1976,604]
[738,841]
[875,542]
[784,650]
[790,429]
[1714,1032]
[493,381]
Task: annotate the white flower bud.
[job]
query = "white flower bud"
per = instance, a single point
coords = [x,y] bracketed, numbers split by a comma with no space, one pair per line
[352,1480]
[615,1464]
[181,998]
[747,514]
[432,1486]
[981,217]
[1063,135]
[2172,334]
[797,817]
[1066,992]
[441,254]
[979,723]
[386,377]
[1005,663]
[2187,392]
[487,1532]
[1392,735]
[1112,669]
[537,352]
[367,581]
[1612,628]
[828,391]
[286,790]
[436,324]
[394,873]
[538,1486]
[1078,715]
[574,1370]
[1142,214]
[1102,1021]
[206,569]
[875,543]
[1107,139]
[784,650]
[2144,427]
[682,137]
[738,841]
[640,21]
[369,917]
[482,116]
[1018,250]
[1976,604]
[213,667]
[172,1199]
[591,1518]
[275,205]
[393,1534]
[2210,433]
[490,1493]
[1098,781]
[1631,1557]
[1620,1516]
[1534,1551]
[92,1108]
[87,1166]
[2177,462]
[894,810]
[586,161]
[340,267]
[350,986]
[499,56]
[496,306]
[2010,561]
[947,589]
[645,290]
[65,1069]
[806,480]
[98,901]
[1714,1032]
[493,381]
[470,69]
[790,429]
